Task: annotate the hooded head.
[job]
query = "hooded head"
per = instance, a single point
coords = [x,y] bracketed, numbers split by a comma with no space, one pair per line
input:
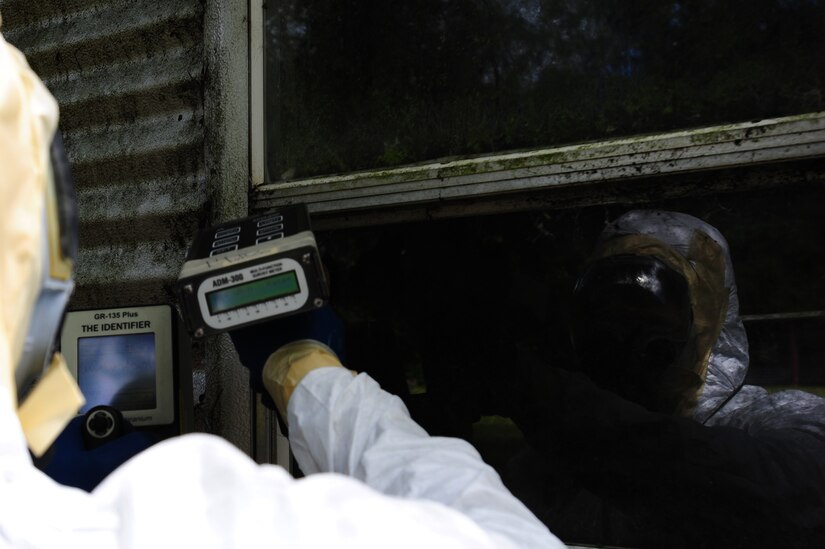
[656,314]
[36,229]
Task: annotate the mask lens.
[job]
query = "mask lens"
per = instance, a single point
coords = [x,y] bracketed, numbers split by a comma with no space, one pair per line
[59,250]
[631,319]
[65,207]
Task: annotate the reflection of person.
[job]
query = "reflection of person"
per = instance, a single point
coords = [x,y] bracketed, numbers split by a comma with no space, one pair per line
[668,448]
[199,490]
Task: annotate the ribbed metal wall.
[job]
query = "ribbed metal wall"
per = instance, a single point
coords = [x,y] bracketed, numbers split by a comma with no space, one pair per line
[143,123]
[129,77]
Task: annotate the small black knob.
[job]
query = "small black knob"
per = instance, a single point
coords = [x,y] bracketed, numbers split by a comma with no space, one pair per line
[100,425]
[101,422]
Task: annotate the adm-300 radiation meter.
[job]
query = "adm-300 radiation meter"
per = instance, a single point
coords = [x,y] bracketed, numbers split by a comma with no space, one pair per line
[252,270]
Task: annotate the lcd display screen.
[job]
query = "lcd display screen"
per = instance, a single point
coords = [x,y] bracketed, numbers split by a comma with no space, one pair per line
[251,293]
[118,371]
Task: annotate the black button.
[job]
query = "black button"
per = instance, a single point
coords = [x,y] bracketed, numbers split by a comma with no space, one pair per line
[101,423]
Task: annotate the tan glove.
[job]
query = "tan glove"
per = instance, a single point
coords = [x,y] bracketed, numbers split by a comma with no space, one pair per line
[286,367]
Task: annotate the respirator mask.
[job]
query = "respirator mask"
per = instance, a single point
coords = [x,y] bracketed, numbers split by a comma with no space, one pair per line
[631,324]
[59,252]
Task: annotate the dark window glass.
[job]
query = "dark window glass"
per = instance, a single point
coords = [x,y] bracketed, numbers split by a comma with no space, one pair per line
[788,353]
[430,294]
[358,84]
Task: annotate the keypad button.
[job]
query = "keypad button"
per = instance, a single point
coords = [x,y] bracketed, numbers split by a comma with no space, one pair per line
[269,237]
[223,233]
[224,250]
[226,241]
[270,220]
[269,230]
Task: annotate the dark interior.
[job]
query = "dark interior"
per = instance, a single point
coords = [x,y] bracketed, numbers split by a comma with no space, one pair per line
[422,301]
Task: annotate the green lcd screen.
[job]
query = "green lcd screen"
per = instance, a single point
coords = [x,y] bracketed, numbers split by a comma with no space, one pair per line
[252,293]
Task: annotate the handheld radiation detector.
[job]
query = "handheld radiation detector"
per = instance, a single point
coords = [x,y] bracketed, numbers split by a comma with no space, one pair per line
[127,358]
[251,270]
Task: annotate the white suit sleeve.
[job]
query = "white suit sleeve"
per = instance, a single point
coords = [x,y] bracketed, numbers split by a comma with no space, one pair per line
[348,425]
[200,491]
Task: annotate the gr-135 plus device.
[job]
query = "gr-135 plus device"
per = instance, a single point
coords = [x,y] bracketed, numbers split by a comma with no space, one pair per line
[251,270]
[129,359]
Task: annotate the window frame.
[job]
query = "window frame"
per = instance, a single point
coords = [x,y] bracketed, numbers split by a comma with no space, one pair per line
[257,91]
[358,198]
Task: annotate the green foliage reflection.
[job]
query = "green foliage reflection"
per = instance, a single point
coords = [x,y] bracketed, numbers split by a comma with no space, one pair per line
[357,84]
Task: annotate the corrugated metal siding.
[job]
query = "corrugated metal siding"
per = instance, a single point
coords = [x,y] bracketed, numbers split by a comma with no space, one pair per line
[128,75]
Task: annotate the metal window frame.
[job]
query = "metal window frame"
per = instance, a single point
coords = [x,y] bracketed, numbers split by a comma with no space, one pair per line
[636,157]
[257,107]
[501,176]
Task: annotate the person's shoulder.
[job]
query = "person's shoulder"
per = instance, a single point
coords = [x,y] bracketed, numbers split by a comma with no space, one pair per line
[757,410]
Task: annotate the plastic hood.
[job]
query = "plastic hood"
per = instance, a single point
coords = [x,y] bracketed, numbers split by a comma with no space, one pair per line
[727,362]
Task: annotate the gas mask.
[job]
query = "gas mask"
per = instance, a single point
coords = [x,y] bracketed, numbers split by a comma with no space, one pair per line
[645,317]
[58,248]
[631,322]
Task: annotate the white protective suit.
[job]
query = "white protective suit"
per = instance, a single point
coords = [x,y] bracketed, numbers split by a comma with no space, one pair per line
[198,490]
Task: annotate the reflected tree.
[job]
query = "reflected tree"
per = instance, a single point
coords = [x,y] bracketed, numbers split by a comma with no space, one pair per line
[358,84]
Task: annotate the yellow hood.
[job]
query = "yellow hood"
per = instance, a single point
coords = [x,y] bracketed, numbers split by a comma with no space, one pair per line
[28,121]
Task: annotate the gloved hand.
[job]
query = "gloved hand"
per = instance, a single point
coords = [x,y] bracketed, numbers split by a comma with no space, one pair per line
[287,366]
[256,343]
